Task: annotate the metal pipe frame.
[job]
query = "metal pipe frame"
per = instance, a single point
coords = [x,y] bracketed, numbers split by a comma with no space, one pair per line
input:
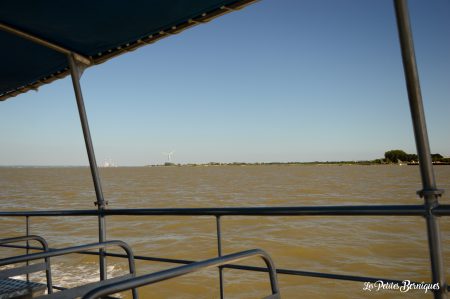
[292,272]
[43,42]
[219,254]
[429,191]
[75,59]
[361,210]
[283,271]
[380,210]
[183,270]
[76,249]
[367,210]
[44,247]
[27,232]
[101,204]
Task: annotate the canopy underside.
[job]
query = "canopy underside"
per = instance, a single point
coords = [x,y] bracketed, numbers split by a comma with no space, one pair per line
[97,30]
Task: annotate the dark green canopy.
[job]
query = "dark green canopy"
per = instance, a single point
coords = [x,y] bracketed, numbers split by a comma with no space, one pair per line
[96,30]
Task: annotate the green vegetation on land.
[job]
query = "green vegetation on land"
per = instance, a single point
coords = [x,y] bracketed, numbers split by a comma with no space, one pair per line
[390,157]
[396,156]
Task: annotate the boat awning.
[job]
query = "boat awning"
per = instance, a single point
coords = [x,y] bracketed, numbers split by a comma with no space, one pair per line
[93,30]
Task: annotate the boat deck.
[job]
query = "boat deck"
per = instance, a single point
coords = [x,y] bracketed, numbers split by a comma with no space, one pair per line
[20,289]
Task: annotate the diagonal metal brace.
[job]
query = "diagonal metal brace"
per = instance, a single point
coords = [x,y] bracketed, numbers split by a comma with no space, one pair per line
[43,42]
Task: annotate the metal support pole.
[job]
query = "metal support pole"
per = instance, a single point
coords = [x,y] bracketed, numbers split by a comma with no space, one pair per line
[75,71]
[219,253]
[430,193]
[27,230]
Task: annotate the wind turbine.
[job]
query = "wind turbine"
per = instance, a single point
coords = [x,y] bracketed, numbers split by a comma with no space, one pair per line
[169,156]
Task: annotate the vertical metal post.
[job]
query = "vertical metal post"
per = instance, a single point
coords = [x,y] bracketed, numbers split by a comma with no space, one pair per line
[429,192]
[75,71]
[219,253]
[27,231]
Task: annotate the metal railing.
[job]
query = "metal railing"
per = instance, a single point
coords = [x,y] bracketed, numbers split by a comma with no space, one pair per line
[219,213]
[186,269]
[68,250]
[29,269]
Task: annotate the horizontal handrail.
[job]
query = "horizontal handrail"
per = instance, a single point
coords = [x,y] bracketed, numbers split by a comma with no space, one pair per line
[45,248]
[26,238]
[182,270]
[74,249]
[360,210]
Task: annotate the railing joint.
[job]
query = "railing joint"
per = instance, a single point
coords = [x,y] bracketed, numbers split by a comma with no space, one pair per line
[430,192]
[102,205]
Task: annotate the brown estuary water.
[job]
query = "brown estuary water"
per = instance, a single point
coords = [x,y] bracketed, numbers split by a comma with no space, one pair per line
[388,247]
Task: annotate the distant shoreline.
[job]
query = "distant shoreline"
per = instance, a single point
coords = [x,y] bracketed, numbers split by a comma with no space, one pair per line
[287,163]
[210,164]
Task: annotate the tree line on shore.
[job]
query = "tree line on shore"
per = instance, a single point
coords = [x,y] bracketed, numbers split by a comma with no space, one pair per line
[396,156]
[390,157]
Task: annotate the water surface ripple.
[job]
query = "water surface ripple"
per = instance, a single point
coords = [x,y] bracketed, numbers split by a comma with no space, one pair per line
[390,247]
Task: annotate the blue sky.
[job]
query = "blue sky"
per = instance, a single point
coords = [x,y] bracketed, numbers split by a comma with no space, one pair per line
[281,80]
